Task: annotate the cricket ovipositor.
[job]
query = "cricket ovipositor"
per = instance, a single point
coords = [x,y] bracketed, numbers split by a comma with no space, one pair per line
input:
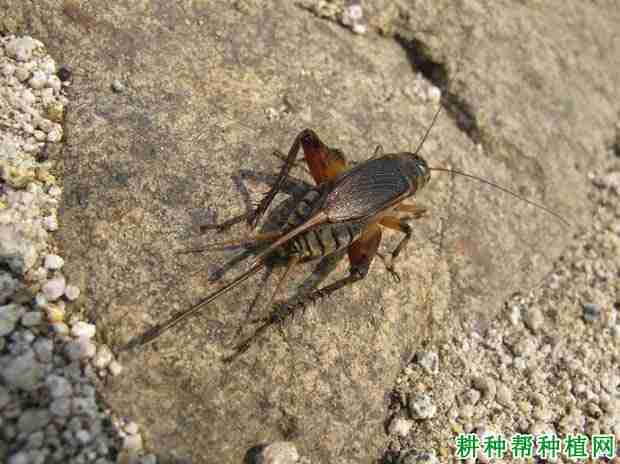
[347,210]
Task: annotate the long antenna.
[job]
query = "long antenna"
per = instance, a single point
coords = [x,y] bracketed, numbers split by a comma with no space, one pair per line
[428,131]
[505,190]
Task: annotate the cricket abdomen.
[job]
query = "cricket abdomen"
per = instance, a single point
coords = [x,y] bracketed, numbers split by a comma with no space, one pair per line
[321,240]
[324,240]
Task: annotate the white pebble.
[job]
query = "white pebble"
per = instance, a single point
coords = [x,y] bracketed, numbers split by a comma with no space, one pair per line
[50,223]
[115,368]
[83,437]
[22,73]
[359,28]
[19,458]
[40,136]
[38,80]
[131,428]
[72,292]
[400,427]
[32,318]
[54,262]
[83,329]
[55,135]
[103,357]
[422,407]
[55,191]
[21,48]
[7,69]
[80,348]
[429,361]
[54,288]
[434,94]
[132,443]
[279,452]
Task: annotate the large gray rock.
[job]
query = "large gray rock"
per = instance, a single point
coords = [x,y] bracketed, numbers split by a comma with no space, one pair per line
[209,90]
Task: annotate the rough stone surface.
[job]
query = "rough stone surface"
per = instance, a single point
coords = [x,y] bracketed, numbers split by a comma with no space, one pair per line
[211,90]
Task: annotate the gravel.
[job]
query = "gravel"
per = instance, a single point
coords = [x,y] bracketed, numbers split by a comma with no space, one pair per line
[49,407]
[549,362]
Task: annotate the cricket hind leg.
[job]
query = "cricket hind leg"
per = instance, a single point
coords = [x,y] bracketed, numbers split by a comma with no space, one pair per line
[237,242]
[324,163]
[361,254]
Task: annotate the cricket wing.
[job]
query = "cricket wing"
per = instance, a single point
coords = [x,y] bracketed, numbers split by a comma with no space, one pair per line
[366,190]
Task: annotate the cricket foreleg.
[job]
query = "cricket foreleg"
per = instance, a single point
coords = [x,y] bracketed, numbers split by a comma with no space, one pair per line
[399,225]
[416,210]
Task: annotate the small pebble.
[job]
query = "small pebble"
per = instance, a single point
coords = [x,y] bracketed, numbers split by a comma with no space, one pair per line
[534,319]
[20,457]
[60,328]
[117,86]
[9,315]
[429,361]
[115,368]
[132,443]
[400,427]
[55,314]
[279,452]
[72,292]
[83,437]
[21,48]
[83,329]
[434,94]
[103,357]
[81,348]
[38,80]
[54,262]
[23,372]
[54,288]
[32,318]
[591,312]
[44,349]
[421,407]
[504,396]
[131,428]
[50,223]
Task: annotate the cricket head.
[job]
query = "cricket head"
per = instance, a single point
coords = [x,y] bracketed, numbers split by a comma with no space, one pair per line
[415,168]
[423,172]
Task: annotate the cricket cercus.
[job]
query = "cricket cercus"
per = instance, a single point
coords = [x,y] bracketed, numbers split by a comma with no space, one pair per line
[347,209]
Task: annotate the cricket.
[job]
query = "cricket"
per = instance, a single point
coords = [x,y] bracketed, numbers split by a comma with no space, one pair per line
[347,209]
